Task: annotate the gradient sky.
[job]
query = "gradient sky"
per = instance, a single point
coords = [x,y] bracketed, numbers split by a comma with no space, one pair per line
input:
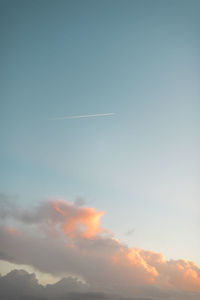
[137,59]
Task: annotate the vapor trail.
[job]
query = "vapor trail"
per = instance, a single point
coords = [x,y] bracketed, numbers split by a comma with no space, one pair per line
[83,116]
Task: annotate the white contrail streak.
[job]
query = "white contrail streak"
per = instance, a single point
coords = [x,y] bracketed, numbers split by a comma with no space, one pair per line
[83,116]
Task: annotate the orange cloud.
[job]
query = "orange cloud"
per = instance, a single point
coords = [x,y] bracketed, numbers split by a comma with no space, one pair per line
[153,268]
[115,263]
[12,230]
[78,221]
[134,266]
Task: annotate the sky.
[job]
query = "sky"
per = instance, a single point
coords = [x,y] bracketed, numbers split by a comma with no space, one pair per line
[127,180]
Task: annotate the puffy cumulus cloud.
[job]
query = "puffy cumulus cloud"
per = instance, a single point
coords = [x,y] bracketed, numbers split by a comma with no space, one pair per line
[78,221]
[56,215]
[19,284]
[65,238]
[181,273]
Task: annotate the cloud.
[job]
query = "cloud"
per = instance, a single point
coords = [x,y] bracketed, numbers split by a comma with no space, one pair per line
[55,215]
[63,238]
[19,284]
[78,221]
[7,206]
[130,231]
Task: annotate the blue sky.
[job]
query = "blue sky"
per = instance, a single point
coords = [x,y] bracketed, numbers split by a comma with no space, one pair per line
[138,59]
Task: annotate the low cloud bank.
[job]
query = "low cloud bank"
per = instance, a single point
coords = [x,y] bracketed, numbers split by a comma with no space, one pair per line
[61,238]
[19,284]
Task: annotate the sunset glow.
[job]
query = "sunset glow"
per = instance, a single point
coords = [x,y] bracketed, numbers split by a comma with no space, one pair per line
[99,155]
[85,239]
[79,221]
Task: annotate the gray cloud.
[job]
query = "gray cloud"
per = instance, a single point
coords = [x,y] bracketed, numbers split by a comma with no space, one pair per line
[19,284]
[130,231]
[4,256]
[7,206]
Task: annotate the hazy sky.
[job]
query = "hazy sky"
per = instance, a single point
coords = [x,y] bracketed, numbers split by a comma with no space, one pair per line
[137,59]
